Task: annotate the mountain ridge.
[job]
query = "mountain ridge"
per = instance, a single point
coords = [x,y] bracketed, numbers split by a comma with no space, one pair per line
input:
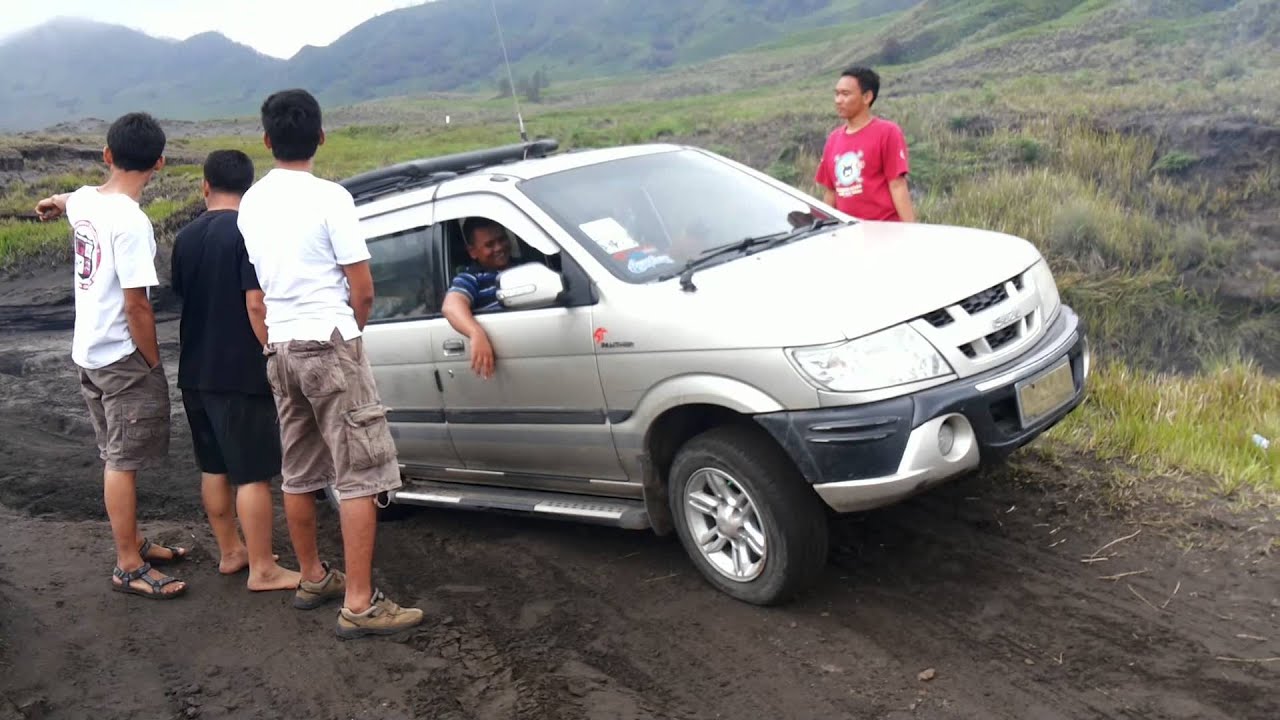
[447,45]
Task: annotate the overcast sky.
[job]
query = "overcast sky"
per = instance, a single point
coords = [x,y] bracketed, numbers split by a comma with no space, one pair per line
[273,27]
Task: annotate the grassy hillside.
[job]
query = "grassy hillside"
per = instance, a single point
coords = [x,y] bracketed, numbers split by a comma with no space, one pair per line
[445,45]
[1134,143]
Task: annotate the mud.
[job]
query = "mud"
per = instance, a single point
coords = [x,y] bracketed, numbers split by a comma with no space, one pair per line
[993,587]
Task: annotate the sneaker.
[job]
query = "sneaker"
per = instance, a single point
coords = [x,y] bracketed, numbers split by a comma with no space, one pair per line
[312,595]
[382,618]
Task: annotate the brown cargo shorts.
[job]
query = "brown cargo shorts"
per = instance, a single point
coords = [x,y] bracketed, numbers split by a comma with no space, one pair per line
[333,425]
[129,408]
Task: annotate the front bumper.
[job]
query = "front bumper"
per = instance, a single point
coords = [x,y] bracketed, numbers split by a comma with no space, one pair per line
[867,456]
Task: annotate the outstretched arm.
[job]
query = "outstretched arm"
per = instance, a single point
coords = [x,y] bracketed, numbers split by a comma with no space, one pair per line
[52,207]
[457,310]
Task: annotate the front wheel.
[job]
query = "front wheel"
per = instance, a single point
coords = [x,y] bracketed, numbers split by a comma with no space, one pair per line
[746,517]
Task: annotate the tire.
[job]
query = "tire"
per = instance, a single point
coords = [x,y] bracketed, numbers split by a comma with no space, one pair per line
[719,469]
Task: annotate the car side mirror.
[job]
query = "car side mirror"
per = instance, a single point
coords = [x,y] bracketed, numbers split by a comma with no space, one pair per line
[528,286]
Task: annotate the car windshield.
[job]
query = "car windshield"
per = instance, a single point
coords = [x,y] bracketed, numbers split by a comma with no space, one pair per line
[648,217]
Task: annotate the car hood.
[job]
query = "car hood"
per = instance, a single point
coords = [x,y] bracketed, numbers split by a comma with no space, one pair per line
[839,284]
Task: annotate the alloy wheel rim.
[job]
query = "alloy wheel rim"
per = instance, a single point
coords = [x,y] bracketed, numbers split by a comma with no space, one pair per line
[725,525]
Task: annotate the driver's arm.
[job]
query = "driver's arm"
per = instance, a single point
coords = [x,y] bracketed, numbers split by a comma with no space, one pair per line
[457,310]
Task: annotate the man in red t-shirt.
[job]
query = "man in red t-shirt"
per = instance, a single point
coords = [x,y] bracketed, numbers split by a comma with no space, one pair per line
[864,164]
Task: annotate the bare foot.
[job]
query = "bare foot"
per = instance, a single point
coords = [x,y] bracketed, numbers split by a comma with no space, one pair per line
[235,562]
[274,578]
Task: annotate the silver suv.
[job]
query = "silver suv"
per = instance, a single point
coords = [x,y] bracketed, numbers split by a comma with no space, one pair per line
[686,344]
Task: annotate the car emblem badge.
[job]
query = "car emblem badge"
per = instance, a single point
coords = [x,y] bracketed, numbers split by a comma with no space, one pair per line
[1005,320]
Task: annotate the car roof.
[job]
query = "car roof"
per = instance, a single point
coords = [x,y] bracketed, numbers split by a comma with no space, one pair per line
[400,185]
[540,167]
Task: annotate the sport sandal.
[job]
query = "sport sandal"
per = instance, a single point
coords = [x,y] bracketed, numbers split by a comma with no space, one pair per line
[178,554]
[156,591]
[382,618]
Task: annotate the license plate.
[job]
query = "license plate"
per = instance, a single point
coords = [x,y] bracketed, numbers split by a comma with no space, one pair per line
[1041,395]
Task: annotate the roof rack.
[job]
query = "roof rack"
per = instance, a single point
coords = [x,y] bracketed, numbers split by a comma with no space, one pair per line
[428,171]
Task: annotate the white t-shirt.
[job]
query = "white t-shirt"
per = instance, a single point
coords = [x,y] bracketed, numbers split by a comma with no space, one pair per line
[115,249]
[299,230]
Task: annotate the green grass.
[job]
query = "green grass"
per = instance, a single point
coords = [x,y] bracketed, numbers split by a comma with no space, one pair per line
[21,198]
[26,239]
[1200,425]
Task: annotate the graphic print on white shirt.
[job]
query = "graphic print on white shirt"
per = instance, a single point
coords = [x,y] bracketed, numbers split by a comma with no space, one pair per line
[88,253]
[115,249]
[299,230]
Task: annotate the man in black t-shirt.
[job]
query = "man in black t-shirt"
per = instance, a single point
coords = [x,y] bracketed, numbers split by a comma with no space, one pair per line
[223,377]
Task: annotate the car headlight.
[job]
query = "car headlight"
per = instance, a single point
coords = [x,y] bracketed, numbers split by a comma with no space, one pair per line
[890,357]
[1048,288]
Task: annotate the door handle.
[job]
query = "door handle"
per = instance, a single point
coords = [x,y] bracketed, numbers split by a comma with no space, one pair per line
[453,347]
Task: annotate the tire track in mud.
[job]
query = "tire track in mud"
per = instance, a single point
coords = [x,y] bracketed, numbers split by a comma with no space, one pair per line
[1018,599]
[512,638]
[611,623]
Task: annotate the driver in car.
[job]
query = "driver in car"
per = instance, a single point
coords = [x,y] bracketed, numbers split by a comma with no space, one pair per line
[476,287]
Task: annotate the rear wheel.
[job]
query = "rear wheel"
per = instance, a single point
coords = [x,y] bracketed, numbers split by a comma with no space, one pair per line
[746,517]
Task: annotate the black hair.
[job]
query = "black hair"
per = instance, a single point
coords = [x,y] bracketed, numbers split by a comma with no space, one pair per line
[472,224]
[229,171]
[868,80]
[291,119]
[136,142]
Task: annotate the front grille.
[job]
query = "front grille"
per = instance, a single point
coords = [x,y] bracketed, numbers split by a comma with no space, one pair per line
[994,341]
[1000,338]
[939,318]
[992,296]
[970,320]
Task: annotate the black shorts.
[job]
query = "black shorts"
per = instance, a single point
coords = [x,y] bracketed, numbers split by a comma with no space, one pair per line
[234,434]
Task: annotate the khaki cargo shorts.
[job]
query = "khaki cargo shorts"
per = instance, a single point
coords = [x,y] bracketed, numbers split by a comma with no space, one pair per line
[129,408]
[333,426]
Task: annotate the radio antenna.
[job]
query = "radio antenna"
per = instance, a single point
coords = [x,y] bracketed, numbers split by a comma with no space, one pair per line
[511,80]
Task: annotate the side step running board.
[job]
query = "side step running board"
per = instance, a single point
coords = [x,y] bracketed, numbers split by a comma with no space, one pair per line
[629,514]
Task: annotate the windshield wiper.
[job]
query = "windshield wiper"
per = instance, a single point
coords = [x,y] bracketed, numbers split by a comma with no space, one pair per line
[743,246]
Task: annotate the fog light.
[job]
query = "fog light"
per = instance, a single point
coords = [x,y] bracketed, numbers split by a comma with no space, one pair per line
[1086,359]
[946,438]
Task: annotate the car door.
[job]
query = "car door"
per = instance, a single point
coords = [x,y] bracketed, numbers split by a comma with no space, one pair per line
[542,413]
[401,337]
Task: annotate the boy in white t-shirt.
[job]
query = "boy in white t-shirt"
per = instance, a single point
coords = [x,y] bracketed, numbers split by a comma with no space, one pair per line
[115,346]
[303,238]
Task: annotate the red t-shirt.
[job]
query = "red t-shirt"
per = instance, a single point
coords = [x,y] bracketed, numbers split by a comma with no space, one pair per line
[859,166]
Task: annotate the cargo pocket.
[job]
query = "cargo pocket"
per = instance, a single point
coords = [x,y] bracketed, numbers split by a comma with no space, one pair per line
[146,427]
[273,370]
[369,439]
[318,368]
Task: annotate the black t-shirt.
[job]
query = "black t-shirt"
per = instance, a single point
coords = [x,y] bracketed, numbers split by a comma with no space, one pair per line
[211,272]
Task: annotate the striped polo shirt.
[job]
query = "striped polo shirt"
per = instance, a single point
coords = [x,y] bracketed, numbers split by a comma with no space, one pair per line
[478,285]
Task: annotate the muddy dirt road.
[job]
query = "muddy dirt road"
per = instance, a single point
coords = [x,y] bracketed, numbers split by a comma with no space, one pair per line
[982,585]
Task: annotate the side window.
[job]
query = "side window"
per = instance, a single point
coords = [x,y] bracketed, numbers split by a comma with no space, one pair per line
[406,284]
[457,256]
